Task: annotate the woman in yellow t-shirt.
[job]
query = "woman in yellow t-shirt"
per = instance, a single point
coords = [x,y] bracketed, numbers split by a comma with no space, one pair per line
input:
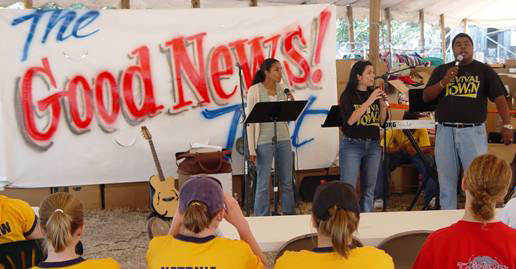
[192,243]
[335,215]
[17,221]
[62,224]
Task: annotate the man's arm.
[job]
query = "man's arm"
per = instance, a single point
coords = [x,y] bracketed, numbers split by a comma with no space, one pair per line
[32,229]
[503,110]
[36,233]
[435,86]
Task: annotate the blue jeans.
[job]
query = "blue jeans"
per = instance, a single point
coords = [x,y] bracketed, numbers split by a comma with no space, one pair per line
[263,167]
[454,145]
[355,154]
[399,158]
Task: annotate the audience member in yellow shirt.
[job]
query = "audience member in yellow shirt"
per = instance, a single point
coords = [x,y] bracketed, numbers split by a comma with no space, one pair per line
[400,152]
[62,224]
[17,221]
[335,215]
[192,243]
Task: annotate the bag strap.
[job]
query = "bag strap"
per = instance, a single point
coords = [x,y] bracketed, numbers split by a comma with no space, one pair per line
[182,155]
[219,165]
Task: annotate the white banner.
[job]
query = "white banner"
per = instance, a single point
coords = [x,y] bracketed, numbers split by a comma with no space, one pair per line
[77,85]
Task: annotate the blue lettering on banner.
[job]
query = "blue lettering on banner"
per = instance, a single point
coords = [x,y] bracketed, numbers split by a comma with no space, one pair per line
[301,118]
[67,18]
[237,112]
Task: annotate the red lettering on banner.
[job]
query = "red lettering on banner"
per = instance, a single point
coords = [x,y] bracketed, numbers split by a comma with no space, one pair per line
[148,104]
[40,138]
[81,102]
[292,54]
[183,65]
[257,57]
[322,27]
[107,118]
[239,47]
[221,55]
[80,125]
[80,114]
[274,40]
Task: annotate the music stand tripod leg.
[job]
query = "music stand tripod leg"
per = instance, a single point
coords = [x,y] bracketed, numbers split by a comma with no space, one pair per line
[386,173]
[428,167]
[275,180]
[433,176]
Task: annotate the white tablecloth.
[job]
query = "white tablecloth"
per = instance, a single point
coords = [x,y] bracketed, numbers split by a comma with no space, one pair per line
[272,232]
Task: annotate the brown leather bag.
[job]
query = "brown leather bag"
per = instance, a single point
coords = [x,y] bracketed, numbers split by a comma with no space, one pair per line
[203,162]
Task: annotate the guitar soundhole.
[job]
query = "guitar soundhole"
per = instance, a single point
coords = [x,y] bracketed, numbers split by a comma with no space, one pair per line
[169,199]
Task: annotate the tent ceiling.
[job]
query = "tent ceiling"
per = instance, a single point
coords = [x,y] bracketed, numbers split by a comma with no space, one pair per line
[488,13]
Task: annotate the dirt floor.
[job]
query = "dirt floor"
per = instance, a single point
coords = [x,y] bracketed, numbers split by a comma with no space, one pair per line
[122,235]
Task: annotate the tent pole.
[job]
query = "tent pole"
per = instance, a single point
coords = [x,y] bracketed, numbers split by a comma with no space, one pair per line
[351,33]
[388,18]
[125,4]
[422,30]
[196,3]
[443,36]
[27,4]
[374,33]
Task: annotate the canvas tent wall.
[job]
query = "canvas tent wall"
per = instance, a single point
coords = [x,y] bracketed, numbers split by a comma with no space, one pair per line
[487,13]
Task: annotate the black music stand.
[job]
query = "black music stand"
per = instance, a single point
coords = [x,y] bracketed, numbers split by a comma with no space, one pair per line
[274,112]
[334,118]
[246,199]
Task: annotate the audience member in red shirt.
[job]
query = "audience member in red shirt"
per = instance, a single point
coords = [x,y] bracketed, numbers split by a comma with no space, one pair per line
[478,240]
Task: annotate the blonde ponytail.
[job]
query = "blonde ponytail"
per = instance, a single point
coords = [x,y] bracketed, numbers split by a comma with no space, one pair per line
[58,229]
[487,180]
[196,217]
[340,228]
[61,215]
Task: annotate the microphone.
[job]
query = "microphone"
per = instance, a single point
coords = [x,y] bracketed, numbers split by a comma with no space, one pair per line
[458,59]
[384,98]
[289,94]
[238,65]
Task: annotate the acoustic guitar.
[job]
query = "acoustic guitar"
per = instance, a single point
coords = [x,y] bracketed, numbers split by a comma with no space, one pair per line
[165,198]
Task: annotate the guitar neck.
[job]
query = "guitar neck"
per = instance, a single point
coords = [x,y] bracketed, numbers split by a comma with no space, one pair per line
[156,161]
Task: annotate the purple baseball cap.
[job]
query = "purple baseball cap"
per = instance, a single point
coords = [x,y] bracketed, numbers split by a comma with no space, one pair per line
[204,189]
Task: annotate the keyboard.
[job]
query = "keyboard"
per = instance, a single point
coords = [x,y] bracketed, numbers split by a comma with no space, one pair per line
[410,124]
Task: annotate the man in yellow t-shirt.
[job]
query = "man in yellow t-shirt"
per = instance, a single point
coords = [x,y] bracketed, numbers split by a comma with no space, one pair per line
[17,221]
[400,152]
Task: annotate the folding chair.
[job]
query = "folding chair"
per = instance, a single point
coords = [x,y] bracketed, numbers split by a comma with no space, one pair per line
[307,242]
[21,254]
[404,247]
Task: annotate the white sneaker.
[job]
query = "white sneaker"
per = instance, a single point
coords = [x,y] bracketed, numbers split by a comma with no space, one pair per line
[378,204]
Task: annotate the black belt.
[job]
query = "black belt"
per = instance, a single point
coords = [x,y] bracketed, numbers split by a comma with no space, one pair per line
[461,125]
